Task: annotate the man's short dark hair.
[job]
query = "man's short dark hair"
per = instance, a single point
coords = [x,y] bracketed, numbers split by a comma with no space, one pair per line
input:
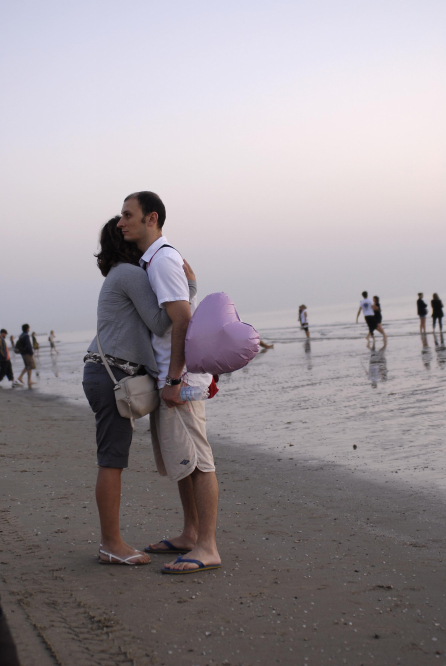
[365,294]
[150,203]
[25,328]
[4,331]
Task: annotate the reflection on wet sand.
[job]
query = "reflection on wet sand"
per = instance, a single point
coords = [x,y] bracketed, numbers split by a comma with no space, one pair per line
[426,352]
[307,350]
[54,365]
[377,365]
[440,350]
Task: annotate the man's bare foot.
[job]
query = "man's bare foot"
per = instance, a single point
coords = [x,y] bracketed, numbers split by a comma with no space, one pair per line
[207,557]
[117,554]
[181,543]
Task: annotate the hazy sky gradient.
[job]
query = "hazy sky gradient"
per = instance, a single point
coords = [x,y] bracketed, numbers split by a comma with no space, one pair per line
[299,147]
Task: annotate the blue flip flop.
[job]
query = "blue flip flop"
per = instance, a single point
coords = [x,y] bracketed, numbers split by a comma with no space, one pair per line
[201,567]
[171,549]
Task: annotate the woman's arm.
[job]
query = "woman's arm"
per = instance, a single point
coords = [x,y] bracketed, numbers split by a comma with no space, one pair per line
[137,287]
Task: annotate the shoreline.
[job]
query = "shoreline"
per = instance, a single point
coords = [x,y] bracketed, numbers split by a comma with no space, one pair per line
[320,566]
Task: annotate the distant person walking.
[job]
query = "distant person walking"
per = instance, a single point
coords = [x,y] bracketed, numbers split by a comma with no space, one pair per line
[378,317]
[437,311]
[422,312]
[5,361]
[36,345]
[303,316]
[366,305]
[52,340]
[26,350]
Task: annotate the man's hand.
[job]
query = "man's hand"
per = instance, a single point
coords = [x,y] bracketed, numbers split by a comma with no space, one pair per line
[171,395]
[179,312]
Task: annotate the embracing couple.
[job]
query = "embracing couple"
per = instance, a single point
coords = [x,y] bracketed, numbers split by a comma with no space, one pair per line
[144,309]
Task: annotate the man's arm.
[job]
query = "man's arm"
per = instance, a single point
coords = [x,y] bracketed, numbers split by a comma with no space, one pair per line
[357,316]
[179,313]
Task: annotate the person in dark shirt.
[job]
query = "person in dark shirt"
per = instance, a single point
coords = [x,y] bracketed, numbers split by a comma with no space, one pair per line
[437,311]
[27,352]
[378,317]
[5,361]
[422,312]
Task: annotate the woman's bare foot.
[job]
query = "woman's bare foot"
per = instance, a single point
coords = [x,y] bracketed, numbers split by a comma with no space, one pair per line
[123,555]
[118,554]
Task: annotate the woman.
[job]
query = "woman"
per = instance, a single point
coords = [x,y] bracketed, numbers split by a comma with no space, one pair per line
[437,311]
[378,317]
[52,341]
[422,312]
[127,312]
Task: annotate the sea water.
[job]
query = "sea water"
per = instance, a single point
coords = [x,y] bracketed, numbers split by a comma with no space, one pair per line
[376,410]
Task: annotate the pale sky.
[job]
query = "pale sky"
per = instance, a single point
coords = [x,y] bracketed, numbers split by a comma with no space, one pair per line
[299,147]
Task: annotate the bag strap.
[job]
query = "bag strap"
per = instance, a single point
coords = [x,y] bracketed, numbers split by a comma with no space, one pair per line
[104,360]
[147,264]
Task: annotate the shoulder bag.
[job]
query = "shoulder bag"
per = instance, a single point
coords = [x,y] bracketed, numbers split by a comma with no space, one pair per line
[135,396]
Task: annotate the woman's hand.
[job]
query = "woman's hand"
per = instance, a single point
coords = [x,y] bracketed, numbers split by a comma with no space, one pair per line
[190,275]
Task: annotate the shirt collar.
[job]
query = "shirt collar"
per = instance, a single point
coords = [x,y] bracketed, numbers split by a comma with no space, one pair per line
[146,257]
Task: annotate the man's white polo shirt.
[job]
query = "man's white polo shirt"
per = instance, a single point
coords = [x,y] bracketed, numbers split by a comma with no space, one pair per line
[169,282]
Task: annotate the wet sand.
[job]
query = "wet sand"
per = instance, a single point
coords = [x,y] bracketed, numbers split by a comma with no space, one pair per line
[320,566]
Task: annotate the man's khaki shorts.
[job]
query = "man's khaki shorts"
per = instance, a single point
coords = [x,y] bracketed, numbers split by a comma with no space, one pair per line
[29,362]
[179,440]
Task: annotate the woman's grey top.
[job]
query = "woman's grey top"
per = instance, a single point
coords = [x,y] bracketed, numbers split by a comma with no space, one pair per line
[127,311]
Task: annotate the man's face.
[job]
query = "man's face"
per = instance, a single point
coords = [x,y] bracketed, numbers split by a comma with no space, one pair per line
[131,222]
[3,335]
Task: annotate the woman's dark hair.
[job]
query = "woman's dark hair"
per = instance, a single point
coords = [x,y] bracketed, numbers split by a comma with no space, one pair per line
[377,300]
[436,297]
[114,249]
[150,203]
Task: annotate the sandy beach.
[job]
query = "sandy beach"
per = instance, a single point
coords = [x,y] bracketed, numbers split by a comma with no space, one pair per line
[320,566]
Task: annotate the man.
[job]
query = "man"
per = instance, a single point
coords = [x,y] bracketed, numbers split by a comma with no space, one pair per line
[5,361]
[366,305]
[178,430]
[422,312]
[26,349]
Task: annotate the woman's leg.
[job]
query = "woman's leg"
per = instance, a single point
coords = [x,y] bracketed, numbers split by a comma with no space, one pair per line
[381,330]
[113,438]
[108,498]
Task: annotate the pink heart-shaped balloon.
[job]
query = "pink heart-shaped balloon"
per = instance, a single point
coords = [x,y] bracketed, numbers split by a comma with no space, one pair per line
[216,340]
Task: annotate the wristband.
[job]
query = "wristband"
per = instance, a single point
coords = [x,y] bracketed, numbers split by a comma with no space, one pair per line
[173,382]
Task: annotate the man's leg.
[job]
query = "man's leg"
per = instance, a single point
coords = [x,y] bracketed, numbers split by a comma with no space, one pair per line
[205,491]
[30,383]
[9,372]
[22,373]
[188,537]
[108,498]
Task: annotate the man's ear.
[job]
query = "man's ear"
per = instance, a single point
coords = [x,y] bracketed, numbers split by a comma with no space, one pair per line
[152,219]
